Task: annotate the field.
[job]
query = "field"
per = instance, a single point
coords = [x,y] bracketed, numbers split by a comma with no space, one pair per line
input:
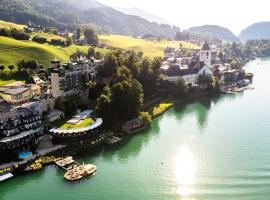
[12,51]
[150,48]
[8,25]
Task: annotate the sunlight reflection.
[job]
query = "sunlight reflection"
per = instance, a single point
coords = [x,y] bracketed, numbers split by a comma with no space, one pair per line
[185,171]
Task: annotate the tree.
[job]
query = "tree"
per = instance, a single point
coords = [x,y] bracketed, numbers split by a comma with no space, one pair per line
[104,107]
[31,65]
[2,68]
[147,77]
[156,66]
[122,74]
[127,98]
[5,32]
[98,55]
[78,33]
[180,87]
[236,65]
[21,65]
[140,54]
[69,41]
[77,54]
[95,89]
[109,67]
[91,36]
[11,67]
[60,104]
[91,52]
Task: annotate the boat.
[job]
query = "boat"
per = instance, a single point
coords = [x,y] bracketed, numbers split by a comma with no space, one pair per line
[62,162]
[239,89]
[34,166]
[80,172]
[5,177]
[47,160]
[114,140]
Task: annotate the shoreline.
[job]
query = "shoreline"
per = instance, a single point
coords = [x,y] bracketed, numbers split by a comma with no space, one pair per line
[65,150]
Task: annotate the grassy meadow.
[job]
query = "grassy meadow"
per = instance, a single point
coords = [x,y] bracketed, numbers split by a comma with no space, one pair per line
[11,51]
[150,48]
[8,25]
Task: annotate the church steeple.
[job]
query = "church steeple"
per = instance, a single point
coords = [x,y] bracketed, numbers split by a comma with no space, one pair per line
[205,54]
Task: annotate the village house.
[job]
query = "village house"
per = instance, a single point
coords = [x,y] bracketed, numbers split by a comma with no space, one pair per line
[19,92]
[63,33]
[30,27]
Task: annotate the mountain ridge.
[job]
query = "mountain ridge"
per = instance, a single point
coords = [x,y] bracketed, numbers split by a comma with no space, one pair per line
[68,14]
[258,30]
[214,31]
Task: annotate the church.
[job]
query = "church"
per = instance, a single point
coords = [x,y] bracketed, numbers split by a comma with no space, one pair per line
[194,70]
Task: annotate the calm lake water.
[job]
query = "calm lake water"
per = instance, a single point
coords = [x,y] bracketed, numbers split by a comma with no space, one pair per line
[209,149]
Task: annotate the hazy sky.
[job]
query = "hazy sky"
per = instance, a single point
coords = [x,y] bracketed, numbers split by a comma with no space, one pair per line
[233,14]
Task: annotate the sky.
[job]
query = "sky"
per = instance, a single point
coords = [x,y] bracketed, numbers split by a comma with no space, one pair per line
[233,14]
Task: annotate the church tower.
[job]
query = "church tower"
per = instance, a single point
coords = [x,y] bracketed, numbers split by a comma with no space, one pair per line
[205,54]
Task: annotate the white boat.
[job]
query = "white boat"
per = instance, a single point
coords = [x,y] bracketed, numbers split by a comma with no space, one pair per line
[5,177]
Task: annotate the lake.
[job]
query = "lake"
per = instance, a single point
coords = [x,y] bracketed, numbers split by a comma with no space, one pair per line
[215,148]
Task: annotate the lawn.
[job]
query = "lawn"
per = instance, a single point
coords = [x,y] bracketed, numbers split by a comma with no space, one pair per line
[82,124]
[161,108]
[11,51]
[150,48]
[8,25]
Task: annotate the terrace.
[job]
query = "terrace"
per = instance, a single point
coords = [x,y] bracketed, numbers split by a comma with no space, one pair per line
[79,125]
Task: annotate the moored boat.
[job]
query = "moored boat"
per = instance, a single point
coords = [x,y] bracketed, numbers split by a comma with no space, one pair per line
[5,177]
[80,172]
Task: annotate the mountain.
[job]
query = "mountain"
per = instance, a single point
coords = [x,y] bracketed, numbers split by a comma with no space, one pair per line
[215,32]
[260,30]
[142,14]
[70,13]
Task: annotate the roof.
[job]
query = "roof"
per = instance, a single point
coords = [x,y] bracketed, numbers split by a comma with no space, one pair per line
[15,91]
[98,122]
[15,84]
[14,114]
[206,46]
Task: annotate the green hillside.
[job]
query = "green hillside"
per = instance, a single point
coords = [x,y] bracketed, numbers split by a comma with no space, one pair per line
[12,50]
[150,48]
[8,25]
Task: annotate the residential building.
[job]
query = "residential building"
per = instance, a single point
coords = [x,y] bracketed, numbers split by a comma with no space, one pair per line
[20,127]
[68,79]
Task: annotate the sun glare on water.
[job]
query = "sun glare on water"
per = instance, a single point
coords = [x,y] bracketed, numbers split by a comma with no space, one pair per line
[185,171]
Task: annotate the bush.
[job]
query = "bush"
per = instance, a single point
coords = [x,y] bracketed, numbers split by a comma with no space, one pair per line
[19,35]
[146,117]
[58,42]
[5,32]
[40,40]
[14,33]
